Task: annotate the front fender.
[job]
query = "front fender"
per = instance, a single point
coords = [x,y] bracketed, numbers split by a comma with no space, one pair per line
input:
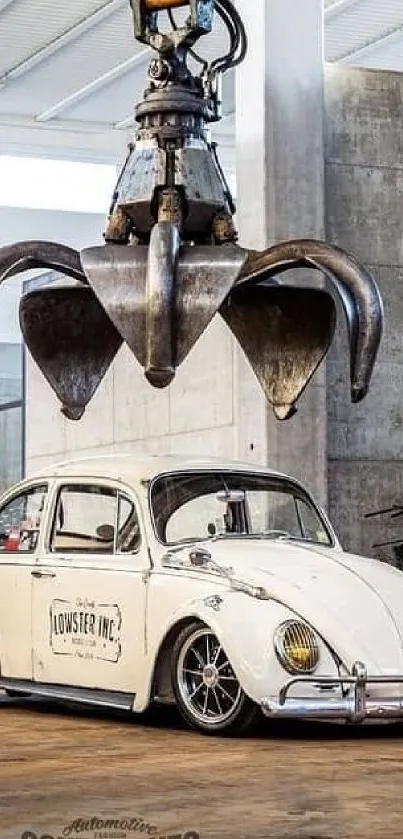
[245,627]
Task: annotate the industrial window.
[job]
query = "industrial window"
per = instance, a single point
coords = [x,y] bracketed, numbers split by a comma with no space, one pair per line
[45,184]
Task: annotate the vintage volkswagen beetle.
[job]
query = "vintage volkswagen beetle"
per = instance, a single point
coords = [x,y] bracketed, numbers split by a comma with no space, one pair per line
[216,585]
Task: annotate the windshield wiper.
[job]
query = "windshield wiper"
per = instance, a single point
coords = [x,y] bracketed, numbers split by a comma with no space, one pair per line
[258,534]
[273,534]
[269,534]
[217,537]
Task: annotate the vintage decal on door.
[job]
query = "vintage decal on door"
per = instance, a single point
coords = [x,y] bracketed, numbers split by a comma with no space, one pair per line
[86,629]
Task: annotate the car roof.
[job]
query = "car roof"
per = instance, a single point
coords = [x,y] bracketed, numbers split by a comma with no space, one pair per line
[132,467]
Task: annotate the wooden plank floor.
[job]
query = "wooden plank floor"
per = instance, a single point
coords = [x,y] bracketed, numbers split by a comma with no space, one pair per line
[58,765]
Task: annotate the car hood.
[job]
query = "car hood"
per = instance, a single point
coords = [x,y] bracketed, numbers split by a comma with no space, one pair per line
[355,603]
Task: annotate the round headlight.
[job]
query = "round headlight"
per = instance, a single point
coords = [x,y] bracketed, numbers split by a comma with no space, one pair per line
[297,647]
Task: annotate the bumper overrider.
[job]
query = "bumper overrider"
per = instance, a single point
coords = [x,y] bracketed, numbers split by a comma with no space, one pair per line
[354,705]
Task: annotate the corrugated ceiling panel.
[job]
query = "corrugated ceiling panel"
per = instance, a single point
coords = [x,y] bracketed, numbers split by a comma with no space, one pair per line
[71,68]
[385,56]
[364,21]
[114,102]
[26,25]
[109,43]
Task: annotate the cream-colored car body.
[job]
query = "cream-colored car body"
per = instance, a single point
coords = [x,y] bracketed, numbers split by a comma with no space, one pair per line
[103,623]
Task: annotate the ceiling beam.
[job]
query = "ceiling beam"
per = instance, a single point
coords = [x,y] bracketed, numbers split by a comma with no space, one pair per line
[94,86]
[127,122]
[337,8]
[5,3]
[80,126]
[62,139]
[395,34]
[62,40]
[91,88]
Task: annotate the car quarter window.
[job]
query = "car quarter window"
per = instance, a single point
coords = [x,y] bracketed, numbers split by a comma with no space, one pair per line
[128,532]
[90,518]
[20,520]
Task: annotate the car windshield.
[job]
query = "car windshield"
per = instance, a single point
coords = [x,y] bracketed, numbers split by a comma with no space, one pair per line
[195,506]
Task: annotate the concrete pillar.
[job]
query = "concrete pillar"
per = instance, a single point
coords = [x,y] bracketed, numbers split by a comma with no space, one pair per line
[280,195]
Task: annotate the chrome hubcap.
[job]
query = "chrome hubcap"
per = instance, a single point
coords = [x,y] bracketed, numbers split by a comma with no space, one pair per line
[210,676]
[207,683]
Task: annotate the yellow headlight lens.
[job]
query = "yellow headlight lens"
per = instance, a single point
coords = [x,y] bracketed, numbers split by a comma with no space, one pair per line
[297,647]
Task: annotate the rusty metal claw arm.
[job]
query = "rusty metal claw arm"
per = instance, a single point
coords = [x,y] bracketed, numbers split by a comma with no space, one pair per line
[25,255]
[65,328]
[356,289]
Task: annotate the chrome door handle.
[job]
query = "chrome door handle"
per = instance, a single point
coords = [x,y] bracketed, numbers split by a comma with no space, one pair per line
[43,574]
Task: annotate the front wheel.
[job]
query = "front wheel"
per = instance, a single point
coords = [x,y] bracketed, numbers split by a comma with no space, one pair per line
[206,688]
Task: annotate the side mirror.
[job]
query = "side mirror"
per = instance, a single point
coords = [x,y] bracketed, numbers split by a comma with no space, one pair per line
[199,557]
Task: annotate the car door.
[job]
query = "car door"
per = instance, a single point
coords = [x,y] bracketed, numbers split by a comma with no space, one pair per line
[21,522]
[89,592]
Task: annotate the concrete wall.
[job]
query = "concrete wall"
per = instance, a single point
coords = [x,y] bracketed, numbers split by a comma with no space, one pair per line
[364,208]
[197,414]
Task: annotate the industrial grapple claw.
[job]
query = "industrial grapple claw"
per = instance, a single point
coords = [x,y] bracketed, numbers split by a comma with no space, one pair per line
[171,261]
[348,280]
[72,340]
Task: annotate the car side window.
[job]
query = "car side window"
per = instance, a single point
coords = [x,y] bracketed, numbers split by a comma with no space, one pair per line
[84,519]
[128,535]
[20,520]
[90,518]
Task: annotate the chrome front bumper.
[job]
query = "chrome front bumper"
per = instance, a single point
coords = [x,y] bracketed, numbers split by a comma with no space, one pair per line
[354,705]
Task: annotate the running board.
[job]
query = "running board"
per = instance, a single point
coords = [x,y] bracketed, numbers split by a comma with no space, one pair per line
[65,693]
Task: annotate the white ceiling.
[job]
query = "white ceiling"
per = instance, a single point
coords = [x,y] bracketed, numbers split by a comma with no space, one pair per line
[71,72]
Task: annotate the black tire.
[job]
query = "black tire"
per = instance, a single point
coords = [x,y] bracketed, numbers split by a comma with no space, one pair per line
[196,698]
